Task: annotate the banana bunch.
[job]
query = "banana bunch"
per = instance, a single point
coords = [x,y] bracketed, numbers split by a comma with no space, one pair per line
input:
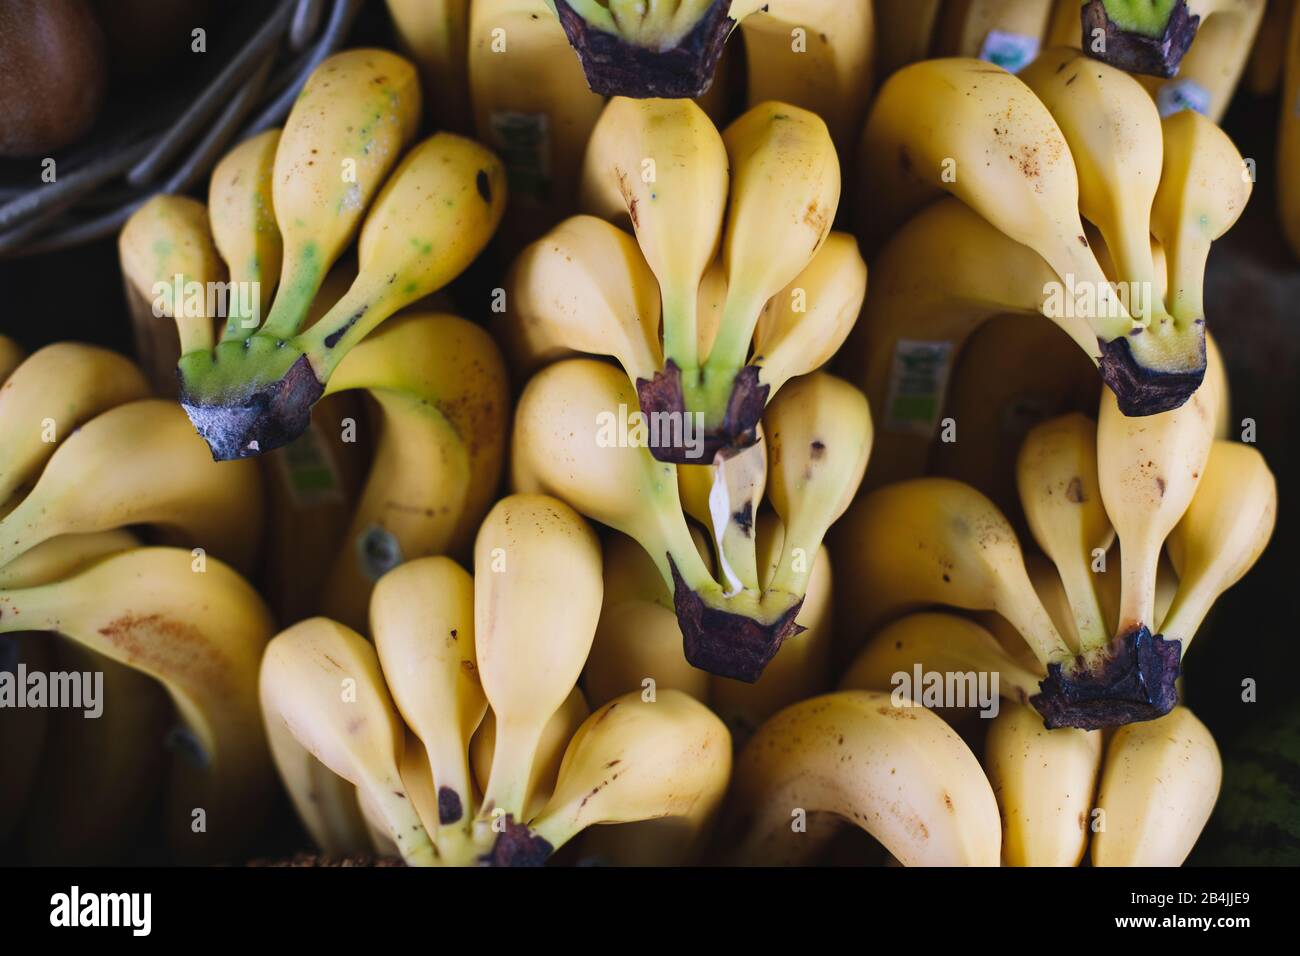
[1067,143]
[1162,483]
[568,442]
[888,766]
[339,166]
[775,304]
[148,620]
[402,721]
[87,451]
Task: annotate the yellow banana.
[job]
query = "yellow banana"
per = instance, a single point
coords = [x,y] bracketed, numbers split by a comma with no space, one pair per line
[1159,782]
[49,396]
[531,105]
[140,463]
[904,29]
[422,619]
[241,206]
[536,570]
[322,682]
[631,760]
[1220,536]
[1044,781]
[911,782]
[201,633]
[980,133]
[441,388]
[1005,32]
[435,34]
[1056,472]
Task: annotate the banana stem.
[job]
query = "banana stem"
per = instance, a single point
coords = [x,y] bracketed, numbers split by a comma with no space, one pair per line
[240,324]
[299,282]
[1112,319]
[512,767]
[195,333]
[1187,260]
[1186,615]
[1131,251]
[1081,592]
[681,335]
[1137,599]
[730,349]
[1034,624]
[732,503]
[404,824]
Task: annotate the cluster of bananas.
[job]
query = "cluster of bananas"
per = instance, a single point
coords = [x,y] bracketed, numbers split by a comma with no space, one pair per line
[413,709]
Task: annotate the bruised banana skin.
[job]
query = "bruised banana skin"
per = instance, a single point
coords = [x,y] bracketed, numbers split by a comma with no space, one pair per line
[201,636]
[140,463]
[630,761]
[1014,167]
[51,394]
[1154,38]
[912,783]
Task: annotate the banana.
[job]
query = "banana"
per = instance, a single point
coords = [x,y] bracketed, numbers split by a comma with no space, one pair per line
[11,356]
[140,463]
[241,207]
[346,131]
[98,777]
[322,682]
[422,619]
[663,165]
[169,265]
[1220,536]
[980,133]
[631,760]
[1044,782]
[574,438]
[561,727]
[536,570]
[431,219]
[49,396]
[22,732]
[1066,25]
[441,387]
[814,54]
[1056,472]
[1014,372]
[1267,58]
[60,557]
[939,643]
[201,635]
[1114,134]
[1149,473]
[1204,186]
[326,804]
[785,191]
[937,541]
[911,783]
[584,287]
[803,326]
[531,105]
[1005,32]
[1158,38]
[904,29]
[1159,782]
[435,35]
[1288,139]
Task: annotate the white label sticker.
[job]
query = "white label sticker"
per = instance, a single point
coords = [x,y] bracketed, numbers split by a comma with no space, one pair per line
[524,142]
[1011,51]
[918,382]
[1178,95]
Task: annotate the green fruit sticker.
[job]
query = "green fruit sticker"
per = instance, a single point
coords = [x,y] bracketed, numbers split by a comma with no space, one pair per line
[918,382]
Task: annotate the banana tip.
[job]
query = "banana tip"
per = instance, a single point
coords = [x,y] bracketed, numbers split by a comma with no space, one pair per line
[1133,681]
[615,67]
[1156,54]
[266,417]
